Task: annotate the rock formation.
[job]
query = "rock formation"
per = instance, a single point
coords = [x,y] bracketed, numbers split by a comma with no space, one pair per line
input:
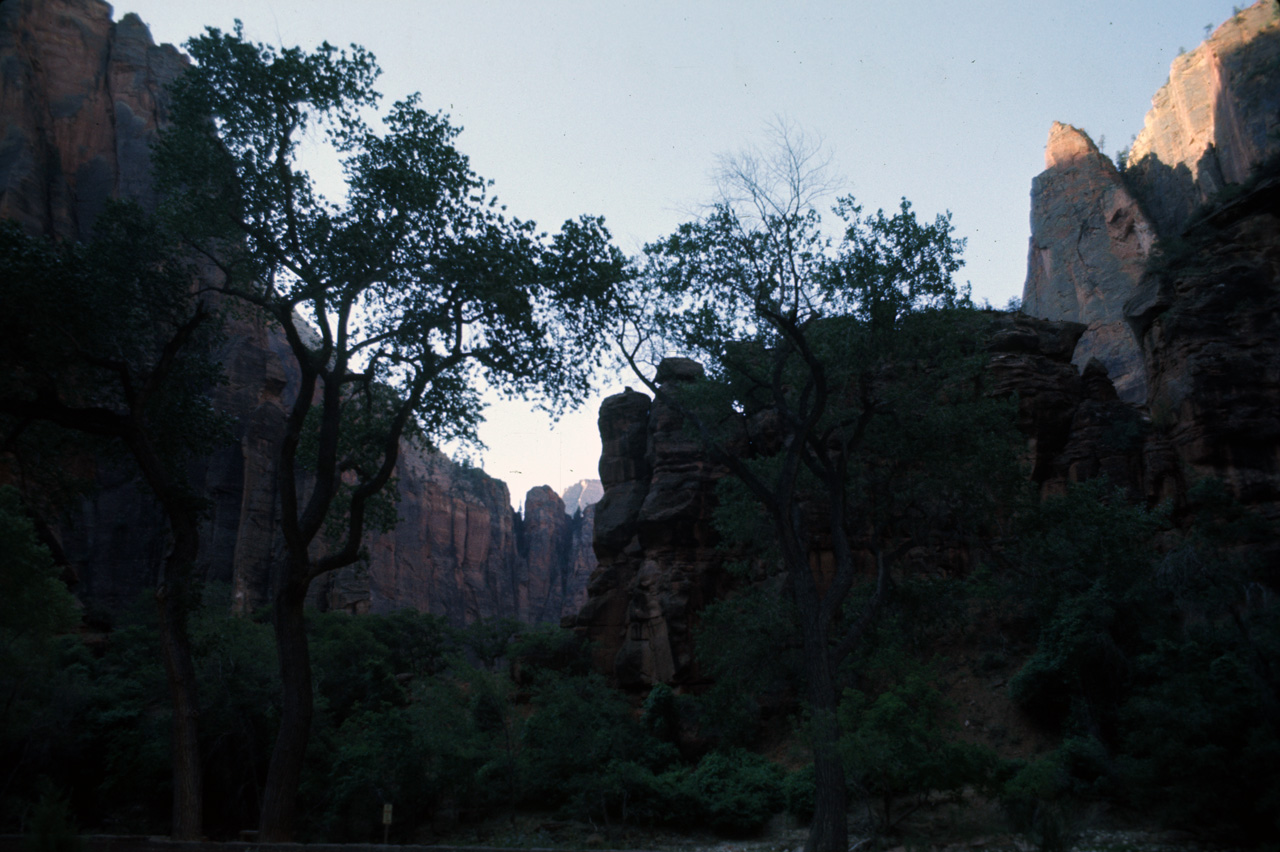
[654,541]
[1089,245]
[1213,121]
[1208,320]
[81,101]
[655,535]
[1093,229]
[581,494]
[460,551]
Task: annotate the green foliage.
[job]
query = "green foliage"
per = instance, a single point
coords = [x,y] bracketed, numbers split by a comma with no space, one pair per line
[576,726]
[661,716]
[798,790]
[490,639]
[236,667]
[52,826]
[899,743]
[749,645]
[35,604]
[1161,666]
[1036,799]
[1083,559]
[35,608]
[739,791]
[548,647]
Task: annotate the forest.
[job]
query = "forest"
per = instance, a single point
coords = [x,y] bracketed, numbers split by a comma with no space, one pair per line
[881,515]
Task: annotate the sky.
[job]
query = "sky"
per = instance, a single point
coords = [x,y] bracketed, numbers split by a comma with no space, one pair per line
[620,108]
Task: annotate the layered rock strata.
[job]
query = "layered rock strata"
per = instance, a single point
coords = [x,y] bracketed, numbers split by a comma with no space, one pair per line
[654,541]
[81,101]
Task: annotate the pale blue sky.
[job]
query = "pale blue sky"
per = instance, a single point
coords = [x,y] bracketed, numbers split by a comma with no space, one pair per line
[619,109]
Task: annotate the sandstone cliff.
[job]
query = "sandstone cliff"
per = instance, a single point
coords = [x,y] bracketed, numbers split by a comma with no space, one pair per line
[1093,229]
[655,538]
[654,541]
[1090,242]
[1213,121]
[81,100]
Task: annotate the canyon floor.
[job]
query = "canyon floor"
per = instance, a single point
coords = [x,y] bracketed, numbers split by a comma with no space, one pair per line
[946,828]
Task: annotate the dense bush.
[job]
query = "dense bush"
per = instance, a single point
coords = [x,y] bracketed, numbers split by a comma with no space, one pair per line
[798,790]
[738,791]
[1162,669]
[898,744]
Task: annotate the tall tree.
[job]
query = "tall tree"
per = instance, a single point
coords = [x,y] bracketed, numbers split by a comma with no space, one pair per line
[415,280]
[841,393]
[109,339]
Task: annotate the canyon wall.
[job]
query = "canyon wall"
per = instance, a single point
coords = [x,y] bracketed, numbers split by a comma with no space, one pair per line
[81,100]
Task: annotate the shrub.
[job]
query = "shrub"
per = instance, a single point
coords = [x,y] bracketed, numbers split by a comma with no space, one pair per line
[799,789]
[897,744]
[739,791]
[52,829]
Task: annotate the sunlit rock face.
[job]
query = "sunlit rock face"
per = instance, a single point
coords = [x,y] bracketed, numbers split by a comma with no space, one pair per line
[81,101]
[1093,229]
[1213,121]
[581,494]
[1089,246]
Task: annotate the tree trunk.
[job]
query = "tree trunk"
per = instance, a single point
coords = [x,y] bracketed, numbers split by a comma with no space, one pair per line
[280,797]
[172,600]
[829,831]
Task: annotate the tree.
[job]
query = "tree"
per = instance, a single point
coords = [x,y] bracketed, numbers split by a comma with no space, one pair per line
[397,301]
[109,340]
[842,393]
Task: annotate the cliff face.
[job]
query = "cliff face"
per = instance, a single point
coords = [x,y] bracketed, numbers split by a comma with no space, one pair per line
[654,541]
[460,551]
[655,537]
[1213,121]
[1090,242]
[1192,339]
[81,100]
[1092,229]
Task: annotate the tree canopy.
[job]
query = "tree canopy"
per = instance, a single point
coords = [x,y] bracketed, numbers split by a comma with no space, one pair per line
[399,298]
[842,394]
